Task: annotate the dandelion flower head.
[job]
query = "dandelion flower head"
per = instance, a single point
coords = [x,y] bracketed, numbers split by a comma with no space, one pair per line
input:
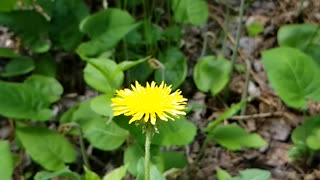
[149,103]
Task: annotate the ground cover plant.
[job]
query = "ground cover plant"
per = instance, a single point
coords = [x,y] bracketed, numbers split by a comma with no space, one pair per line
[141,89]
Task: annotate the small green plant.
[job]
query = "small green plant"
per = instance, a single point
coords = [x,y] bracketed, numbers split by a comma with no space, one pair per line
[293,70]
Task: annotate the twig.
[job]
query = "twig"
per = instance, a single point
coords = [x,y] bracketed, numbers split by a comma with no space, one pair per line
[256,116]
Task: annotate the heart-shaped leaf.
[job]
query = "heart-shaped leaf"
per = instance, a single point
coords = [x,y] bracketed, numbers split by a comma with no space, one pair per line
[293,75]
[212,74]
[305,37]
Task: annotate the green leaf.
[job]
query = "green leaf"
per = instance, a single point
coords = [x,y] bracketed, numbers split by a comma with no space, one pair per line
[254,29]
[306,137]
[175,67]
[212,73]
[222,174]
[6,161]
[116,174]
[18,66]
[65,20]
[7,5]
[48,148]
[253,174]
[293,75]
[22,101]
[305,37]
[103,75]
[190,11]
[313,140]
[8,53]
[102,105]
[90,175]
[225,115]
[19,22]
[173,159]
[233,137]
[125,65]
[100,133]
[49,87]
[105,28]
[64,173]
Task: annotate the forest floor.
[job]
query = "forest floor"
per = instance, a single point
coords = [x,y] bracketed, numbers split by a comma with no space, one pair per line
[265,114]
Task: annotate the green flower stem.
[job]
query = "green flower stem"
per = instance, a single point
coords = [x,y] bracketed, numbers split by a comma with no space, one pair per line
[148,132]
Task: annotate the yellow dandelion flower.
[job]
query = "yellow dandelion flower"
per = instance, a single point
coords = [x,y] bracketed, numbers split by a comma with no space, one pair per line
[149,102]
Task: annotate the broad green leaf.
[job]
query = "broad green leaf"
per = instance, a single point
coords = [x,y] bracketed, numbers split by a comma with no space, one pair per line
[6,161]
[175,67]
[22,101]
[35,34]
[116,174]
[212,74]
[173,159]
[65,20]
[155,174]
[101,134]
[49,87]
[190,11]
[222,174]
[46,147]
[7,5]
[179,132]
[305,37]
[64,173]
[102,105]
[90,175]
[105,28]
[305,137]
[254,29]
[293,75]
[18,66]
[132,154]
[102,75]
[225,115]
[253,174]
[8,53]
[233,137]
